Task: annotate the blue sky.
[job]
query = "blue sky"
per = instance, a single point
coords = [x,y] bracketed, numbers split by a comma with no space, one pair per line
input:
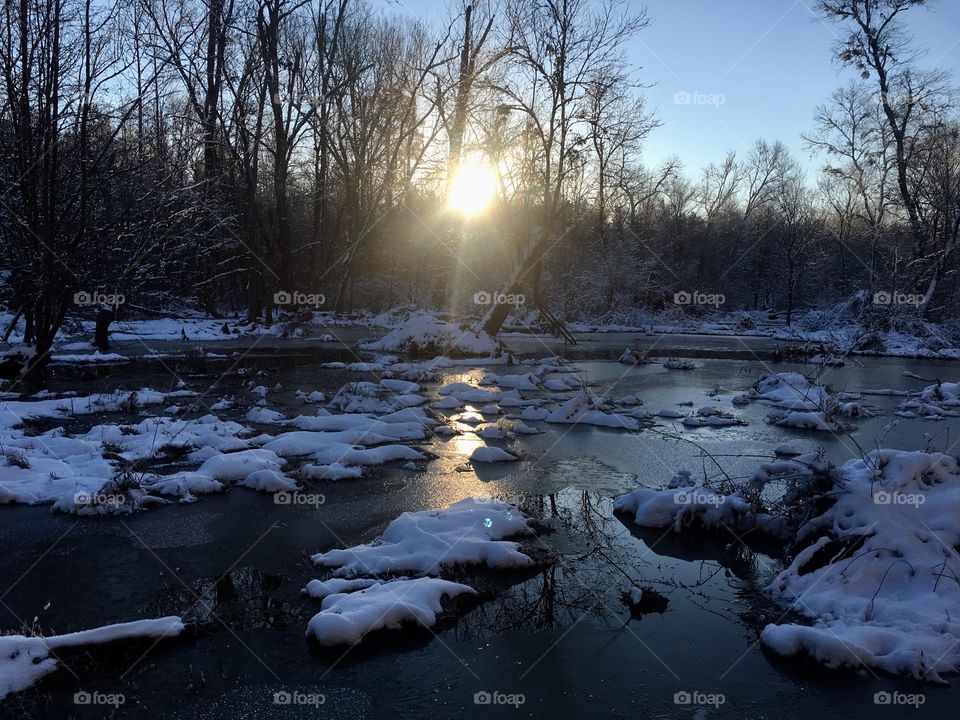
[748,68]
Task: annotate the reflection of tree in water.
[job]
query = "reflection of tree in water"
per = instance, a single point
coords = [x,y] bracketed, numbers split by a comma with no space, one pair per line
[596,559]
[241,599]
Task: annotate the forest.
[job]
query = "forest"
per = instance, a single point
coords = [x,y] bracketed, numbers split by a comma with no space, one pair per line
[215,156]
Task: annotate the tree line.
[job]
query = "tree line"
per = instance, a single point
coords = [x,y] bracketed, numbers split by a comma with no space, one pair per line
[215,155]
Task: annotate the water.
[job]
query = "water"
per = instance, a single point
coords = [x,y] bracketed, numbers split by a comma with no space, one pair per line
[561,636]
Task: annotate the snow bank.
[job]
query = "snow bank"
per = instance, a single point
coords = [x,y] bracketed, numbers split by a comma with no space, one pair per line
[25,660]
[879,585]
[423,335]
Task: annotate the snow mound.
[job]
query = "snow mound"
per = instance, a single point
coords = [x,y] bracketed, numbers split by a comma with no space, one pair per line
[879,586]
[423,335]
[791,391]
[491,455]
[319,589]
[345,618]
[234,467]
[583,409]
[268,481]
[469,532]
[682,507]
[934,402]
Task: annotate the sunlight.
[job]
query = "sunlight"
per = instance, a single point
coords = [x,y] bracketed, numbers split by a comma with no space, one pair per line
[473,187]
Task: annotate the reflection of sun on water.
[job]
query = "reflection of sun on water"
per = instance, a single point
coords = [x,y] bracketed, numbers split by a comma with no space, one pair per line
[472,187]
[465,444]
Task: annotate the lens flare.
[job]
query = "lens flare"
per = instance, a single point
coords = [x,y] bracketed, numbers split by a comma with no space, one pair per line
[473,187]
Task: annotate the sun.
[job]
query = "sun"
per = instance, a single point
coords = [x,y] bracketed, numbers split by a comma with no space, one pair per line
[473,187]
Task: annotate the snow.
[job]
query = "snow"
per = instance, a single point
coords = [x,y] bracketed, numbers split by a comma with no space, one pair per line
[423,335]
[239,465]
[534,413]
[524,429]
[332,471]
[806,421]
[632,357]
[25,660]
[402,387]
[447,403]
[583,409]
[934,402]
[491,455]
[263,416]
[791,391]
[268,481]
[562,383]
[681,507]
[469,532]
[79,358]
[345,618]
[465,392]
[889,603]
[528,381]
[319,589]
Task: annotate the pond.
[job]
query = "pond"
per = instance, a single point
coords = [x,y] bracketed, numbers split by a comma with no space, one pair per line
[560,638]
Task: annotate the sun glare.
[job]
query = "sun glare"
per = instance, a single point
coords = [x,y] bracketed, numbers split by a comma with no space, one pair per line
[473,187]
